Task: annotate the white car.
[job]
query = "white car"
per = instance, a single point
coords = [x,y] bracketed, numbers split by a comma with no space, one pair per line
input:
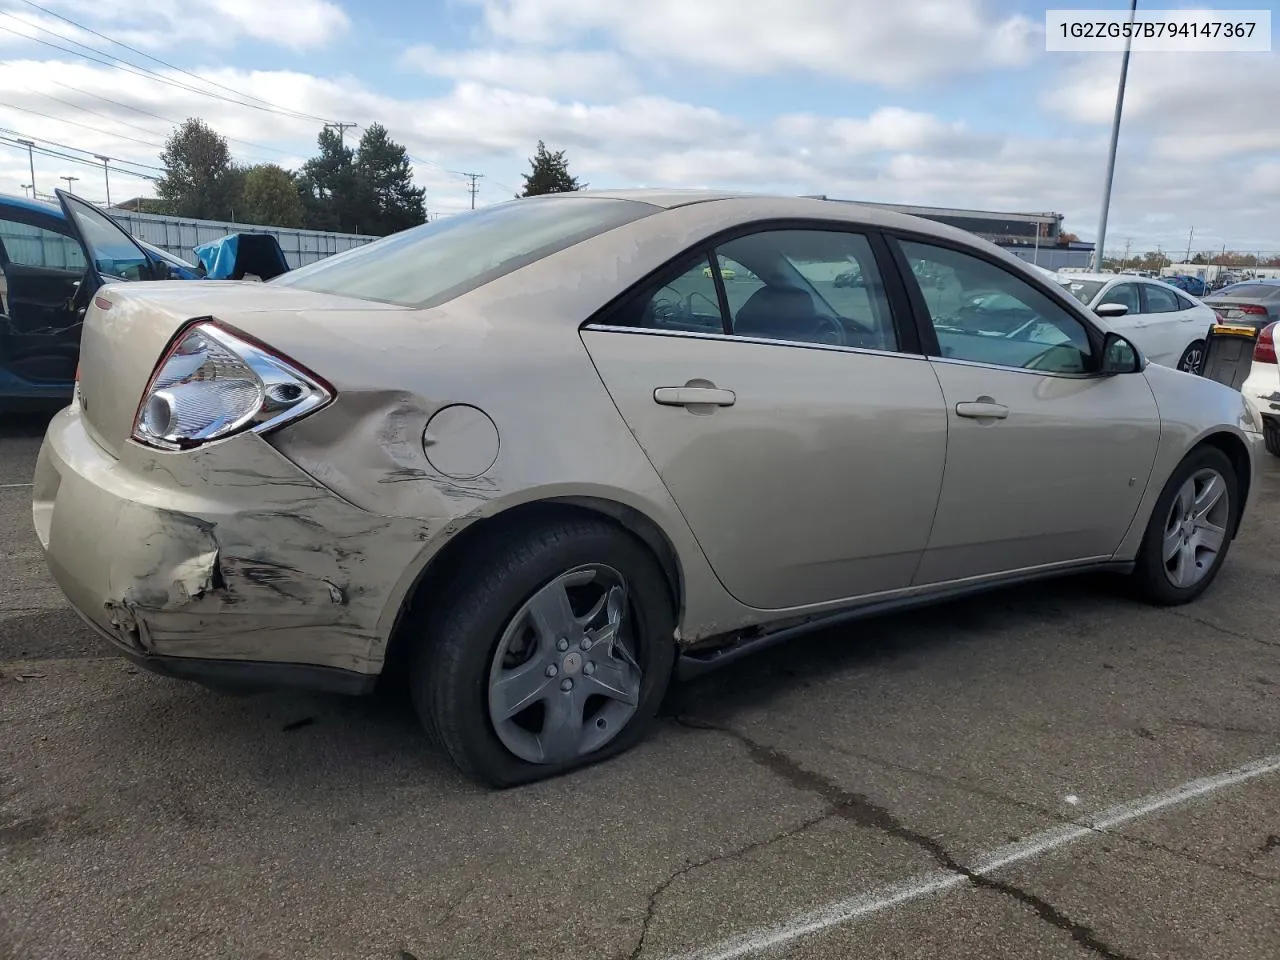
[1262,387]
[1168,325]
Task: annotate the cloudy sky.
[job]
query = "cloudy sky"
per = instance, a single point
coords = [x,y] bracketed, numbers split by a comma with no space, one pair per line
[950,102]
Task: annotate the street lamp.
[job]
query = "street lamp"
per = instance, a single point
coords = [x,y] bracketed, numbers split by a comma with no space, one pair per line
[25,188]
[1115,136]
[69,180]
[30,163]
[106,175]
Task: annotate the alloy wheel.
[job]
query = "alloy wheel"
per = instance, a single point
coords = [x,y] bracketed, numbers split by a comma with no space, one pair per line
[1196,528]
[563,681]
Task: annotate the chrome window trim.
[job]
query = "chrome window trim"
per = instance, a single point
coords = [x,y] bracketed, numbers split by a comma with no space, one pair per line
[734,338]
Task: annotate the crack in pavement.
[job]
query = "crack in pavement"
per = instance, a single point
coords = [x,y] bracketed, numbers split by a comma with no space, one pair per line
[656,894]
[1217,628]
[1193,859]
[861,810]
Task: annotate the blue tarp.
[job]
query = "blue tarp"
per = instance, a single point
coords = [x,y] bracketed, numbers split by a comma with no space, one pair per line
[219,256]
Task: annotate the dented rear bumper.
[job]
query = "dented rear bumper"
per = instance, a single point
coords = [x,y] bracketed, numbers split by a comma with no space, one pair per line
[227,563]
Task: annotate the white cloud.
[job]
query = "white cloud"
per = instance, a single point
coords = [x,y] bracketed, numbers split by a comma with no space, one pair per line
[592,73]
[1194,107]
[294,24]
[891,154]
[864,40]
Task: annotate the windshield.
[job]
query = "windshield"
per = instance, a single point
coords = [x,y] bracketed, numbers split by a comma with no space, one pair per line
[427,265]
[1083,290]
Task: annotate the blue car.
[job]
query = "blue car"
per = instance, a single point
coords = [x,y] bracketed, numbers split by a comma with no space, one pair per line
[53,259]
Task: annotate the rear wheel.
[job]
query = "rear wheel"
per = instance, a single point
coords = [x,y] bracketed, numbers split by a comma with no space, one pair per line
[1192,358]
[550,656]
[1271,435]
[1190,529]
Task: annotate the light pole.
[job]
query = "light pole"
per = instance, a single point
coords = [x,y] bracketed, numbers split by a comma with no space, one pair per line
[30,163]
[1115,137]
[106,175]
[69,180]
[25,188]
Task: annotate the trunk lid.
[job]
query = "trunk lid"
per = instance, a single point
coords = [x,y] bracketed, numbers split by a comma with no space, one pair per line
[128,327]
[1233,309]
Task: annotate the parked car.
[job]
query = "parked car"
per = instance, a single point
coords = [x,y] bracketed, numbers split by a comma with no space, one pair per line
[43,262]
[725,273]
[1254,302]
[1168,325]
[1192,285]
[1262,386]
[513,482]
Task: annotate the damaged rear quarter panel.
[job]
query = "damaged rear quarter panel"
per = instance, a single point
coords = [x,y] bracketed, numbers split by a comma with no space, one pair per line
[228,551]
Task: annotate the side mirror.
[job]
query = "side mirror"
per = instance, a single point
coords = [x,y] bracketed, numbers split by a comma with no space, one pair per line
[1111,310]
[1119,356]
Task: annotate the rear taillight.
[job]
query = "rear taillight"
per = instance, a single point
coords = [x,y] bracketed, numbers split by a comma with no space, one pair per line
[212,383]
[1264,351]
[1254,309]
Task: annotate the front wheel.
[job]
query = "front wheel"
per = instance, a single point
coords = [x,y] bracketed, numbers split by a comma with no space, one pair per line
[553,654]
[1190,529]
[1192,358]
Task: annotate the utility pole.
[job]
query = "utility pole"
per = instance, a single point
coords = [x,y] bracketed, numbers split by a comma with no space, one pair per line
[1128,243]
[30,163]
[342,129]
[474,187]
[69,180]
[1187,258]
[106,175]
[1115,137]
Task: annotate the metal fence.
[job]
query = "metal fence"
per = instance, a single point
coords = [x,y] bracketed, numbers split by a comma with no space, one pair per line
[178,235]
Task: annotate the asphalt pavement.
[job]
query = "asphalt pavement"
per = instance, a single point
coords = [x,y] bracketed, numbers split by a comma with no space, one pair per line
[1046,772]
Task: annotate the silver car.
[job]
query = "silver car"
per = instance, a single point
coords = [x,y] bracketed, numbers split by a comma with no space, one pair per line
[539,457]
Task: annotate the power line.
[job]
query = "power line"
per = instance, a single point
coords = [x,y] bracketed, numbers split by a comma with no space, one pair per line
[156,116]
[64,146]
[155,59]
[44,151]
[138,71]
[106,133]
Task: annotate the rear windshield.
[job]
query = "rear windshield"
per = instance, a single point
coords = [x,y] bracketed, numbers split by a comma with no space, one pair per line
[427,265]
[1258,291]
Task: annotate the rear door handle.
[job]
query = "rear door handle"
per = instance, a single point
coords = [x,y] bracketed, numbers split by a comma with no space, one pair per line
[984,408]
[691,396]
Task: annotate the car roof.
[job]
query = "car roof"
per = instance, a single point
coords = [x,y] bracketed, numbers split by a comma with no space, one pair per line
[32,206]
[782,206]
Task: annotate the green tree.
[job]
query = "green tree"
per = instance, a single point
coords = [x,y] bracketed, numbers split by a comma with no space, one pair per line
[328,188]
[549,173]
[387,200]
[199,180]
[270,197]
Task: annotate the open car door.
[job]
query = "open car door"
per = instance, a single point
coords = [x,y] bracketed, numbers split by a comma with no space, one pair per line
[109,248]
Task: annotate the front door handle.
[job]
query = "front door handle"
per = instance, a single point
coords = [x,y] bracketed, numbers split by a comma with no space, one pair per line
[984,408]
[693,396]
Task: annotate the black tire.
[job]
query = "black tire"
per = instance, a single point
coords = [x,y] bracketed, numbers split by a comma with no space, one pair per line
[450,673]
[1195,350]
[1149,575]
[1271,435]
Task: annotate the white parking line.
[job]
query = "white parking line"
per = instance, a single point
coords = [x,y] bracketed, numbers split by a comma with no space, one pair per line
[6,486]
[923,885]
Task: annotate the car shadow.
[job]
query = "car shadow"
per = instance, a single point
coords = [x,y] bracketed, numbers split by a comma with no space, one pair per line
[313,745]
